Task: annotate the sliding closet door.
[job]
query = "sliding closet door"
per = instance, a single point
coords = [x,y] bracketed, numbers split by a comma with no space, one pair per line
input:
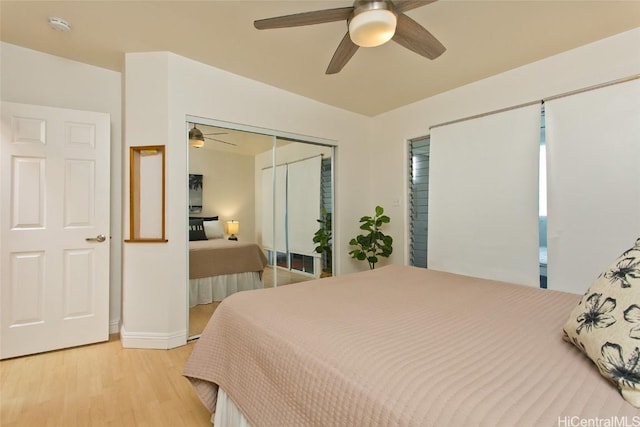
[593,173]
[292,208]
[483,196]
[274,191]
[303,197]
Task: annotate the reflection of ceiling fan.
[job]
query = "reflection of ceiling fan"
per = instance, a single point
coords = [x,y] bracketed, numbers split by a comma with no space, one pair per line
[196,137]
[370,23]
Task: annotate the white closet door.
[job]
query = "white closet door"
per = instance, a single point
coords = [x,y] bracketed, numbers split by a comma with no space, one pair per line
[303,193]
[281,208]
[268,202]
[483,197]
[267,208]
[593,163]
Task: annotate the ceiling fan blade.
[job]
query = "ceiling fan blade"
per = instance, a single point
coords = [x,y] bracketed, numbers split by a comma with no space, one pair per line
[219,140]
[304,18]
[404,5]
[415,37]
[342,55]
[215,133]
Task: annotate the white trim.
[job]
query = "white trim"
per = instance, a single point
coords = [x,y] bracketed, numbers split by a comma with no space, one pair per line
[254,129]
[114,326]
[153,340]
[543,100]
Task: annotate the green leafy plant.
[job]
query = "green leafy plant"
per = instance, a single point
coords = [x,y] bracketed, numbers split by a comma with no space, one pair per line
[322,237]
[375,243]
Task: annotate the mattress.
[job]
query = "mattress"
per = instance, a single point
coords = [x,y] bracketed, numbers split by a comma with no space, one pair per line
[400,346]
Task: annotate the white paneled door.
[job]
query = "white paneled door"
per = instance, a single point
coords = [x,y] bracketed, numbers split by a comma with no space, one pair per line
[54,228]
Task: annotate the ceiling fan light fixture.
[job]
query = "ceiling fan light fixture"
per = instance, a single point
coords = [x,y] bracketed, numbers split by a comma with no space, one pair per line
[373,24]
[196,138]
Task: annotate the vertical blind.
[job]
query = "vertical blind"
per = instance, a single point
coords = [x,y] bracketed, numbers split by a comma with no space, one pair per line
[593,176]
[418,200]
[483,196]
[326,190]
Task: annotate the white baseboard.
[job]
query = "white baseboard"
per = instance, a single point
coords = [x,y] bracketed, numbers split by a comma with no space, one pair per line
[114,326]
[154,340]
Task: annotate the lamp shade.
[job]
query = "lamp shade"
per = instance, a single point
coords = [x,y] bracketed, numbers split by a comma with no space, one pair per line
[372,27]
[196,138]
[233,227]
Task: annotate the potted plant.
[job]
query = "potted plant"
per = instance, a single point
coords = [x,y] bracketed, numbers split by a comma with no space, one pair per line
[322,237]
[374,243]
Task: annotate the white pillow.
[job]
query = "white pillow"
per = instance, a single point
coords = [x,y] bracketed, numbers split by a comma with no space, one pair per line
[213,229]
[605,325]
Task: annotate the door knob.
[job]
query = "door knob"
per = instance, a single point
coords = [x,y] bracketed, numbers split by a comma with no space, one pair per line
[98,238]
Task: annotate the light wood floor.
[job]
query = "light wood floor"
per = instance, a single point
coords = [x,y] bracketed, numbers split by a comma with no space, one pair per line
[100,385]
[106,385]
[199,315]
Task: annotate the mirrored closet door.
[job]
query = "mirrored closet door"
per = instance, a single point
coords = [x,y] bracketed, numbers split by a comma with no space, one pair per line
[259,212]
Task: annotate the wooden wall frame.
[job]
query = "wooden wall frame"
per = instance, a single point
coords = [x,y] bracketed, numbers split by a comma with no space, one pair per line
[147,194]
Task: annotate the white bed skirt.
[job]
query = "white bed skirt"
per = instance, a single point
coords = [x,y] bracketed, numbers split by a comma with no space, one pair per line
[227,413]
[217,288]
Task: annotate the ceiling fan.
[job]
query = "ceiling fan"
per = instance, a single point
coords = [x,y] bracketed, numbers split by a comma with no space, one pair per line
[370,23]
[196,137]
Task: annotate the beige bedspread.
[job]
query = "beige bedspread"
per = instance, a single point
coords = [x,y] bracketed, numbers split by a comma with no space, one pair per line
[219,256]
[400,346]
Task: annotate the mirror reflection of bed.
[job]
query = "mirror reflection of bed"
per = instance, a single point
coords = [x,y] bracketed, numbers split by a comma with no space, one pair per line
[231,178]
[200,314]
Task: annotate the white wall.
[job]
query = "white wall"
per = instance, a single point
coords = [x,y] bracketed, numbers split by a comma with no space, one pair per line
[606,60]
[32,77]
[228,187]
[161,90]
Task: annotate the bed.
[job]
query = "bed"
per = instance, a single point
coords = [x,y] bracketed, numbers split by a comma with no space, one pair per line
[219,268]
[399,346]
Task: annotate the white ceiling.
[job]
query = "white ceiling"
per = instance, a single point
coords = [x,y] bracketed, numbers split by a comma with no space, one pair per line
[483,38]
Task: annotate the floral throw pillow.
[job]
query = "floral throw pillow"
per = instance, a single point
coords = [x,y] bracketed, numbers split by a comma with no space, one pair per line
[605,325]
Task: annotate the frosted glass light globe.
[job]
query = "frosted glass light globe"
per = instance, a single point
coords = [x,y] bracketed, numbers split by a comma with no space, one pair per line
[372,27]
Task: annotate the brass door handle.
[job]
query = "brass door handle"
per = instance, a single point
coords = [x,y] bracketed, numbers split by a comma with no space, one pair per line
[99,238]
